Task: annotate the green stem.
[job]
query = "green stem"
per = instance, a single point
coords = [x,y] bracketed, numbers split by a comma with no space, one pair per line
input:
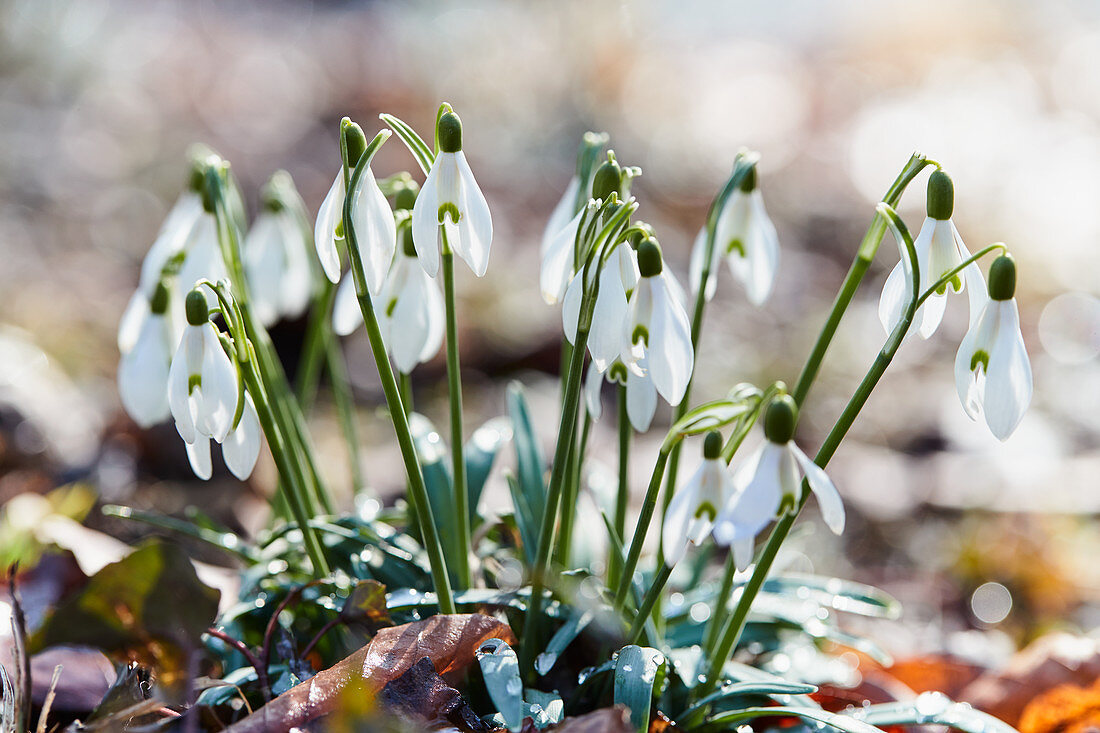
[313,347]
[418,491]
[622,498]
[649,504]
[404,382]
[454,389]
[572,491]
[649,602]
[345,407]
[720,609]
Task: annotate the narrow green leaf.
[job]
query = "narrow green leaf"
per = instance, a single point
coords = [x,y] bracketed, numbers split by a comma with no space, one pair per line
[530,464]
[636,671]
[416,145]
[933,708]
[845,723]
[545,708]
[562,638]
[739,689]
[838,594]
[500,668]
[481,451]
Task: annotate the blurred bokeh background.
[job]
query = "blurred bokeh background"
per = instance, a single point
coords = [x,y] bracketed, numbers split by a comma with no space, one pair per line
[99,101]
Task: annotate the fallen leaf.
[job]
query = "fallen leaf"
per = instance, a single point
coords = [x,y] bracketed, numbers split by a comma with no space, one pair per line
[367,605]
[1065,709]
[1053,660]
[422,695]
[450,641]
[936,673]
[606,720]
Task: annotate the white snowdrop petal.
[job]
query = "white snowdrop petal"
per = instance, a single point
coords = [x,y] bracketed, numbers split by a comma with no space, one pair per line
[695,269]
[1008,386]
[219,386]
[241,446]
[678,520]
[977,338]
[198,454]
[204,259]
[669,355]
[143,374]
[557,262]
[977,291]
[641,401]
[436,313]
[346,314]
[129,327]
[895,294]
[758,501]
[425,221]
[928,317]
[264,263]
[179,374]
[375,230]
[561,215]
[297,279]
[609,319]
[593,384]
[571,307]
[762,247]
[743,552]
[828,499]
[476,224]
[324,231]
[171,239]
[409,321]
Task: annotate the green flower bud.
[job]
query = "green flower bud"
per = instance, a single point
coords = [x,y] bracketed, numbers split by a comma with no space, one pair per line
[608,179]
[712,445]
[159,304]
[355,142]
[748,183]
[649,258]
[406,197]
[449,131]
[407,245]
[195,307]
[941,196]
[1002,278]
[780,419]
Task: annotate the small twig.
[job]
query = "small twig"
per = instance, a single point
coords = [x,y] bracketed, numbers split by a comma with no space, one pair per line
[48,702]
[261,669]
[269,632]
[19,651]
[320,634]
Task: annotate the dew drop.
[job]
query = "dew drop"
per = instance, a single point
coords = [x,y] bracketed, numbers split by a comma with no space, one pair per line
[928,705]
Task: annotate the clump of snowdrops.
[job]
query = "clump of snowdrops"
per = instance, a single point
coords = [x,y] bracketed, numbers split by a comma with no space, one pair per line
[381,254]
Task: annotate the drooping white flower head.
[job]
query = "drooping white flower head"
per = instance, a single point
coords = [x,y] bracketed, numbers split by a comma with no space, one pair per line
[695,506]
[451,205]
[411,316]
[768,485]
[204,257]
[745,235]
[559,260]
[939,249]
[143,369]
[641,395]
[992,369]
[173,237]
[202,381]
[375,231]
[657,327]
[277,265]
[240,449]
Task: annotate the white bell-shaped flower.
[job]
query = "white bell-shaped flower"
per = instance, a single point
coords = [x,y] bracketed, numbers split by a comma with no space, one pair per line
[694,508]
[745,236]
[451,204]
[641,395]
[277,265]
[410,311]
[992,369]
[768,485]
[562,214]
[658,328]
[202,381]
[240,449]
[609,318]
[325,232]
[204,257]
[173,237]
[939,250]
[143,369]
[558,261]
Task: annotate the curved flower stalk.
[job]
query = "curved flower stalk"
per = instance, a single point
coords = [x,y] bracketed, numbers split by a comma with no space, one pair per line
[451,211]
[768,485]
[657,327]
[992,369]
[202,386]
[143,369]
[693,510]
[745,236]
[641,395]
[277,264]
[940,249]
[373,221]
[411,316]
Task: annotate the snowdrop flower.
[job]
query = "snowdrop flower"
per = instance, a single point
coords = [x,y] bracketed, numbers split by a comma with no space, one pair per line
[940,249]
[692,512]
[992,370]
[657,327]
[372,218]
[745,236]
[641,395]
[143,369]
[277,264]
[240,449]
[451,205]
[561,215]
[768,485]
[410,316]
[202,384]
[204,257]
[618,278]
[174,234]
[558,260]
